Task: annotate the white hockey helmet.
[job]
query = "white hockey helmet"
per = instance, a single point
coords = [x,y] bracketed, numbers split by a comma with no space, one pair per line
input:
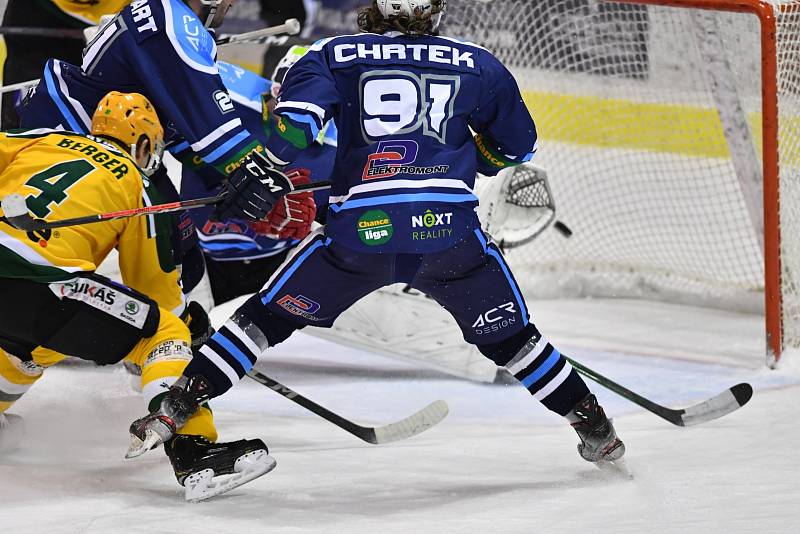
[413,9]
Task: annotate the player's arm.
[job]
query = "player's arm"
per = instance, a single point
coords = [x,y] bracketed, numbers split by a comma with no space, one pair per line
[183,82]
[506,134]
[308,100]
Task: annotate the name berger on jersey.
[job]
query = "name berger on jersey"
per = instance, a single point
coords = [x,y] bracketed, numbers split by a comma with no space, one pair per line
[118,167]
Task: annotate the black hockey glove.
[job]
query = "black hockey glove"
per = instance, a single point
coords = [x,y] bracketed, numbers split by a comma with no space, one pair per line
[252,190]
[199,325]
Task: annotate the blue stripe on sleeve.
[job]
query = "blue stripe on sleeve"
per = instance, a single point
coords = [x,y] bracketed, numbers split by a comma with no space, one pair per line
[302,118]
[62,107]
[227,147]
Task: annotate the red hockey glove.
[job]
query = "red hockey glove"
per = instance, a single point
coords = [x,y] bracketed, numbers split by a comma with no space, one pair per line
[292,215]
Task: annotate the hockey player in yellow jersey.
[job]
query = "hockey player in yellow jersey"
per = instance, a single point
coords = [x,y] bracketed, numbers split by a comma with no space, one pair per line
[52,303]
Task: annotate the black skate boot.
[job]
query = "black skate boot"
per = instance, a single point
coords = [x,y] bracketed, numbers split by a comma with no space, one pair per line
[599,442]
[197,462]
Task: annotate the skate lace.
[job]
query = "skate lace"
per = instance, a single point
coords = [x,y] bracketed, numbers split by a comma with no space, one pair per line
[3,420]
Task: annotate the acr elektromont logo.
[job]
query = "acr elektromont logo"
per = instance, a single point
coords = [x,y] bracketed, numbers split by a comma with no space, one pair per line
[375,228]
[395,157]
[300,305]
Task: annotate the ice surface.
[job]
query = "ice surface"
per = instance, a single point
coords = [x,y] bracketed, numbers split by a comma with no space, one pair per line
[498,463]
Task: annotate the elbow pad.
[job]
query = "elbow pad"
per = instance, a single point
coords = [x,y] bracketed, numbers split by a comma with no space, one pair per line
[491,159]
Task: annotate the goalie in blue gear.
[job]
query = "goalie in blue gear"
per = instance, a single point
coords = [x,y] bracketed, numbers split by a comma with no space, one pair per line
[402,209]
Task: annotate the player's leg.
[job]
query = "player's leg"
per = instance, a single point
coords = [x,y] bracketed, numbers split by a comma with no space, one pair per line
[316,283]
[473,282]
[162,359]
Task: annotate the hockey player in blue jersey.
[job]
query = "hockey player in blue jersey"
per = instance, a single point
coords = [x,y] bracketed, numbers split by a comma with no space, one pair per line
[163,50]
[240,255]
[401,210]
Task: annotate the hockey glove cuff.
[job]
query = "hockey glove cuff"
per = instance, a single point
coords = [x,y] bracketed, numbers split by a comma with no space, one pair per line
[252,190]
[199,324]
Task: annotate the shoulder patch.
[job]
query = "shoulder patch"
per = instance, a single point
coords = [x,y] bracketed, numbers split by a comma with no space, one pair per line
[193,43]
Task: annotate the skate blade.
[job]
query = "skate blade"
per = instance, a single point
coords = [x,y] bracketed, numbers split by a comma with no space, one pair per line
[618,467]
[138,447]
[202,485]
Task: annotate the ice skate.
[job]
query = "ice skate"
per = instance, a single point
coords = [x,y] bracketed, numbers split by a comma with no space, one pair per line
[12,430]
[599,442]
[198,463]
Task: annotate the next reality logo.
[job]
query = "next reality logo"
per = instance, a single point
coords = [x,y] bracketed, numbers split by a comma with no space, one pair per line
[431,225]
[396,157]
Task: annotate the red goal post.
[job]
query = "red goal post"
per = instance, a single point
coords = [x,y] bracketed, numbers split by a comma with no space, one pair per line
[766,13]
[574,42]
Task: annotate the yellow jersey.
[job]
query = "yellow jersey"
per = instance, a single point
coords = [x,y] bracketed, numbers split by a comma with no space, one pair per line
[90,11]
[64,175]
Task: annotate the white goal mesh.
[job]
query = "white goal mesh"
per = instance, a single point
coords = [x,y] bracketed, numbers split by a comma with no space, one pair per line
[650,124]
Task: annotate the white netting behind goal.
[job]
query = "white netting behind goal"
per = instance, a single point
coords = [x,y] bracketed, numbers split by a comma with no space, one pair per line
[650,129]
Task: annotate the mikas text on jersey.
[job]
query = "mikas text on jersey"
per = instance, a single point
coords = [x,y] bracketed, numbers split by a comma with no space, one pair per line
[118,167]
[422,53]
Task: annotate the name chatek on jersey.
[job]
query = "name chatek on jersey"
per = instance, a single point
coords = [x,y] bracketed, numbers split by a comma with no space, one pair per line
[396,157]
[432,53]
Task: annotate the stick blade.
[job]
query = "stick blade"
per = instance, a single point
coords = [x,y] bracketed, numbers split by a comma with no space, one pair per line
[15,210]
[726,402]
[412,425]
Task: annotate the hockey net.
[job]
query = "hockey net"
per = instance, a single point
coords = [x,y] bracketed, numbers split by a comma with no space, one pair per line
[664,147]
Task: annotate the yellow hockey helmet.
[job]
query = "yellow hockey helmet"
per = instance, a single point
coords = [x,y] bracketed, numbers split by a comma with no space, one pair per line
[127,117]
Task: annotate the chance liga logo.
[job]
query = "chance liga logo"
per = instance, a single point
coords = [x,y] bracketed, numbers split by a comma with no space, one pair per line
[396,157]
[375,228]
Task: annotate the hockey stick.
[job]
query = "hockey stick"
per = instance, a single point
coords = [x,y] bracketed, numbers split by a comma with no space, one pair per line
[17,86]
[412,425]
[15,210]
[290,27]
[64,33]
[726,402]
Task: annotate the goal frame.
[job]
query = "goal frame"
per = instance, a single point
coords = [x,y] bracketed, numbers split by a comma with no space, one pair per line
[773,297]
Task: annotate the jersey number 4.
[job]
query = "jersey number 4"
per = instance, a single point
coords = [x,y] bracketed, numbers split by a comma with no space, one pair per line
[53,184]
[397,102]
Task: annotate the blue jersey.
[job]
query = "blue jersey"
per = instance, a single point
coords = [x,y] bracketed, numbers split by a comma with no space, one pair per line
[407,160]
[158,48]
[236,240]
